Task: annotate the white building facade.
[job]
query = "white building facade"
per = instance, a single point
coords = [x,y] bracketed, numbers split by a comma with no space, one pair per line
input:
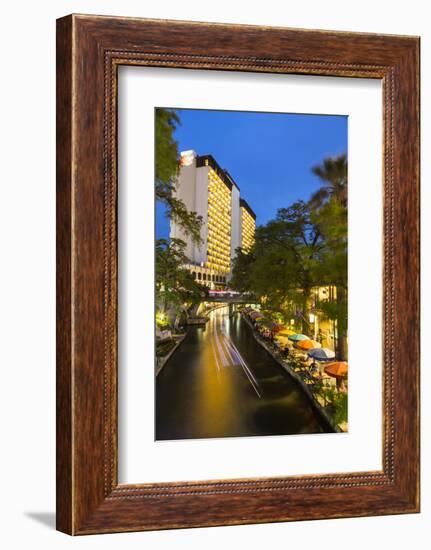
[228,221]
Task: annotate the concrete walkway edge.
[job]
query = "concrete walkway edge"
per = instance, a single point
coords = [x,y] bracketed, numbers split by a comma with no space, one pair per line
[165,359]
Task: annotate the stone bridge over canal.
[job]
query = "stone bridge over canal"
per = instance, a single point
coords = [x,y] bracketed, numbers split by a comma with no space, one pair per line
[223,299]
[230,298]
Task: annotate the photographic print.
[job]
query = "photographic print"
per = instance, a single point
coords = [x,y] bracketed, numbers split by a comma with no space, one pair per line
[251,284]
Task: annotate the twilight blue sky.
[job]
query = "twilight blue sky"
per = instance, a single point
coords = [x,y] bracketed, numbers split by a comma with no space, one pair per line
[269,156]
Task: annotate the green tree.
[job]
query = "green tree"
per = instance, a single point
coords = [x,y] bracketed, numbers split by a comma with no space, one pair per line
[297,244]
[166,172]
[329,207]
[167,121]
[303,248]
[281,268]
[175,286]
[241,270]
[331,222]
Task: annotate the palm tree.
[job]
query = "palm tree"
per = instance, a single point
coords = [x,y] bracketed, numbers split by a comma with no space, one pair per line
[333,173]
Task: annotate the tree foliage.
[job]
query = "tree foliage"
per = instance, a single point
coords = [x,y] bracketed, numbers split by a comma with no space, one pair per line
[331,222]
[167,121]
[330,214]
[175,286]
[176,289]
[241,272]
[284,261]
[166,173]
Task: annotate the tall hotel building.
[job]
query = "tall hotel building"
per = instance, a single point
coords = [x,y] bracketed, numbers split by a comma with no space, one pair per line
[228,221]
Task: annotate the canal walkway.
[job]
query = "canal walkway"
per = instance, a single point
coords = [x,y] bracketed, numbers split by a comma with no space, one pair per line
[275,353]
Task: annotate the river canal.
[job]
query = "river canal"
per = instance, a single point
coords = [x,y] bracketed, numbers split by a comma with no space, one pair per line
[221,383]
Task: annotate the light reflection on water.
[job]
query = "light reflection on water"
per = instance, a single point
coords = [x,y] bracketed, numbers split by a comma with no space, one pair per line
[222,383]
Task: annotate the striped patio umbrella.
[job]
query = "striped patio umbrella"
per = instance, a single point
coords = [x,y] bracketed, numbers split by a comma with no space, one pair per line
[321,354]
[308,344]
[298,337]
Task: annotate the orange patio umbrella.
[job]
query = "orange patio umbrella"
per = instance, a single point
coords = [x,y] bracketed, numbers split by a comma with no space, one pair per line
[337,369]
[308,344]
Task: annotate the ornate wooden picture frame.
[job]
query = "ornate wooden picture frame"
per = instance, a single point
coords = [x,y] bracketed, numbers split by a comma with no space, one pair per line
[89,51]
